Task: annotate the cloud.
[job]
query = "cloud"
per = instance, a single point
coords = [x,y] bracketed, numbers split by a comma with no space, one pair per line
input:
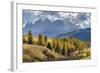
[37,12]
[66,15]
[24,25]
[84,19]
[53,18]
[80,19]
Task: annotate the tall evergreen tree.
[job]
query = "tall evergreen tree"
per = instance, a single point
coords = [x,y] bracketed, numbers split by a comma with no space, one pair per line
[64,50]
[41,40]
[49,45]
[30,38]
[45,40]
[24,40]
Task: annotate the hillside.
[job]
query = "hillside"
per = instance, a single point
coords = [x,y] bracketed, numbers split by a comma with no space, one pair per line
[82,34]
[33,53]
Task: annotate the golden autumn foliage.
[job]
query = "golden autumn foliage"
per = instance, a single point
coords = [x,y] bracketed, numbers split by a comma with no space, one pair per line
[64,46]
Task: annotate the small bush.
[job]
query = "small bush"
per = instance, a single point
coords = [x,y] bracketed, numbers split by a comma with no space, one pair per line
[27,58]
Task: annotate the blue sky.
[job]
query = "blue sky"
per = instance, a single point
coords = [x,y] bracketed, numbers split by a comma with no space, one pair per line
[81,19]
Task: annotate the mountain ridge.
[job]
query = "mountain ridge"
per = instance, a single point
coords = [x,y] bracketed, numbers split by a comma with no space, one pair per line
[49,28]
[83,34]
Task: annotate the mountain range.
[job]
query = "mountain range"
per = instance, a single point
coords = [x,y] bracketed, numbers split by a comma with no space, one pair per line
[82,34]
[49,28]
[57,29]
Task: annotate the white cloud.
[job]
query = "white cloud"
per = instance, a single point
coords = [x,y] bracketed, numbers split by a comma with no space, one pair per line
[53,18]
[36,15]
[37,12]
[23,25]
[86,22]
[63,14]
[77,24]
[73,17]
[66,15]
[81,26]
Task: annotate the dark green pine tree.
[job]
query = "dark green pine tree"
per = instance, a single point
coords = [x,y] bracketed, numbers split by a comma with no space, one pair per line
[30,37]
[45,40]
[49,45]
[41,40]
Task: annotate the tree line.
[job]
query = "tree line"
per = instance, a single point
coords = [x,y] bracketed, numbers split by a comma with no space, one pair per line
[64,46]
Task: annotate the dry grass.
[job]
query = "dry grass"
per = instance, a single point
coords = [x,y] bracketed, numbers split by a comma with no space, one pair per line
[38,53]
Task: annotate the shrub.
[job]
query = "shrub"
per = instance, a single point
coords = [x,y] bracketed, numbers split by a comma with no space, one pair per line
[27,58]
